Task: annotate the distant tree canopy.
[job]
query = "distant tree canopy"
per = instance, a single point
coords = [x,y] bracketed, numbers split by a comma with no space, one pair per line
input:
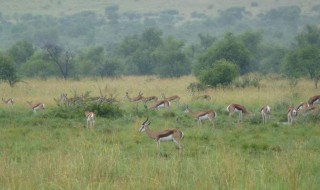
[304,60]
[7,70]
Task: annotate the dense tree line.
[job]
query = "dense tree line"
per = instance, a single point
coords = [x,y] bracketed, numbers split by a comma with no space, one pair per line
[213,60]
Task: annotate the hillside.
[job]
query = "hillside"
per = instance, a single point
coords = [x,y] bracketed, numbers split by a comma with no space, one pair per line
[185,7]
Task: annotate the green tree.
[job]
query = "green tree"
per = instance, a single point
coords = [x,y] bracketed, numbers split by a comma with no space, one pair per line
[90,61]
[8,72]
[231,48]
[37,66]
[170,59]
[222,73]
[304,60]
[20,52]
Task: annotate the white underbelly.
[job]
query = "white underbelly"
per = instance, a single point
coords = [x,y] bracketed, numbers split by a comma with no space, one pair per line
[168,138]
[204,117]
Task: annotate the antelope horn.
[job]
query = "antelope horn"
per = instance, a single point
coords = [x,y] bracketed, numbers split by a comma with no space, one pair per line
[145,121]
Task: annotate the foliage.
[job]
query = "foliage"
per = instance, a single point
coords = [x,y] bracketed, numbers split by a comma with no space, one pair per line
[170,59]
[305,59]
[248,80]
[36,66]
[230,48]
[8,72]
[21,51]
[222,73]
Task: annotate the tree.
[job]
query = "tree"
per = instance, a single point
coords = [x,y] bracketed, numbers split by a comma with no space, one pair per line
[20,52]
[222,73]
[305,59]
[62,58]
[37,66]
[231,48]
[7,71]
[170,59]
[90,61]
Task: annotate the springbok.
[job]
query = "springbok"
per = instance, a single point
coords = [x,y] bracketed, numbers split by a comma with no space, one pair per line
[161,104]
[8,102]
[172,134]
[302,106]
[37,106]
[137,99]
[203,115]
[150,98]
[265,113]
[314,100]
[200,97]
[90,119]
[174,98]
[237,108]
[291,114]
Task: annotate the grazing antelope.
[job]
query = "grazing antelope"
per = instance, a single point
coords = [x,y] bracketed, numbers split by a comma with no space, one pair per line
[314,100]
[90,119]
[161,104]
[292,114]
[150,98]
[172,134]
[308,109]
[237,108]
[200,97]
[36,106]
[174,98]
[203,115]
[9,101]
[265,113]
[302,106]
[137,99]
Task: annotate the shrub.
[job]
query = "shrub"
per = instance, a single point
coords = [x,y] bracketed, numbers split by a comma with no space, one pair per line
[222,73]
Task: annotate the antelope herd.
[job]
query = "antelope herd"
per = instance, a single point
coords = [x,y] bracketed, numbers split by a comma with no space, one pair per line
[174,134]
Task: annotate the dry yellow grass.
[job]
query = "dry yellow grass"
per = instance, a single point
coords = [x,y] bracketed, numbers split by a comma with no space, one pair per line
[269,92]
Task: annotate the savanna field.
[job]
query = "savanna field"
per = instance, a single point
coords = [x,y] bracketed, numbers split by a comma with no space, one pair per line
[45,150]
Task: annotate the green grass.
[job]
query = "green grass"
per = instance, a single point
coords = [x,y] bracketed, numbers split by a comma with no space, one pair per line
[41,151]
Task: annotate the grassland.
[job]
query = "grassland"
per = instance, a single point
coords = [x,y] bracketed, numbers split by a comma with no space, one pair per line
[42,152]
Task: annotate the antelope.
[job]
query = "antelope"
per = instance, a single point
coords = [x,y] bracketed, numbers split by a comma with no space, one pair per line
[172,134]
[90,119]
[161,104]
[302,106]
[137,99]
[265,113]
[314,100]
[291,114]
[174,98]
[237,108]
[200,97]
[150,98]
[36,106]
[9,101]
[203,115]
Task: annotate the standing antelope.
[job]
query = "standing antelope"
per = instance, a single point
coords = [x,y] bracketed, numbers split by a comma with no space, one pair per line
[291,114]
[9,101]
[90,119]
[203,115]
[174,98]
[237,108]
[265,113]
[314,100]
[36,106]
[161,104]
[173,134]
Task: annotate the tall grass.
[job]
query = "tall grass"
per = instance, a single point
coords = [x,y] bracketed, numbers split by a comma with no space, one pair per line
[42,152]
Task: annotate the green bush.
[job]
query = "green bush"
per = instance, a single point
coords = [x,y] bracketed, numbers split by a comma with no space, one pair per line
[222,73]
